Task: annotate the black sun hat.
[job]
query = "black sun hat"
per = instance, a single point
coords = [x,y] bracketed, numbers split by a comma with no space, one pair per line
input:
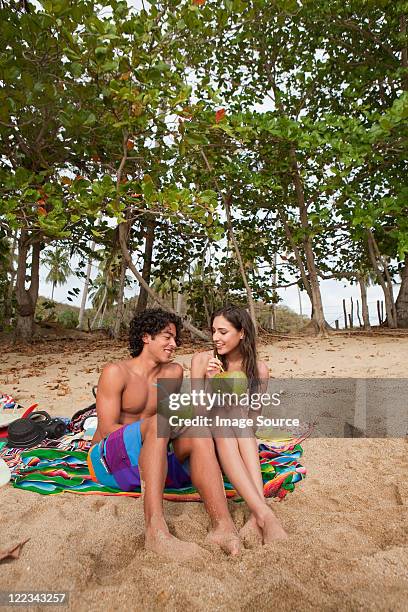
[25,433]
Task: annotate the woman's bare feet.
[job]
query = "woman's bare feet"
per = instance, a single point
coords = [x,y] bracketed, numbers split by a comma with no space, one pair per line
[250,533]
[271,527]
[160,541]
[226,537]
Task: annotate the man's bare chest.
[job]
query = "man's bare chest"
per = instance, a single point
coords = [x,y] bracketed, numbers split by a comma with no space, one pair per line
[140,398]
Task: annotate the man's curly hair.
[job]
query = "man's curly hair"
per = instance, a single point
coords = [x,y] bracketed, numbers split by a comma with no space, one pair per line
[152,321]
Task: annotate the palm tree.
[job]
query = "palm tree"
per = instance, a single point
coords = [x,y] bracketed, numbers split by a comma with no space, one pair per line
[105,288]
[166,288]
[57,262]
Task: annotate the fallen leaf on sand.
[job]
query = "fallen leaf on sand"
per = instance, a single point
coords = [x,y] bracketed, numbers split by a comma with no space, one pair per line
[163,597]
[12,553]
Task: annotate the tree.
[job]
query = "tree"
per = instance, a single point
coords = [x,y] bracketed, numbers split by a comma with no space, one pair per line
[105,289]
[36,100]
[57,262]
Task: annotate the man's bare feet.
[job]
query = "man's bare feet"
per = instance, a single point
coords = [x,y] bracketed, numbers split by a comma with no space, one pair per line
[160,541]
[227,538]
[271,527]
[250,533]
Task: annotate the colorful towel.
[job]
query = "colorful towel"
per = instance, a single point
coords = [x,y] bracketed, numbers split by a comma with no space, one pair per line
[59,466]
[49,471]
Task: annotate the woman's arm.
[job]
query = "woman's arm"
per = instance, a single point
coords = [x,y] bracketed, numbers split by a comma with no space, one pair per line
[198,366]
[203,366]
[263,372]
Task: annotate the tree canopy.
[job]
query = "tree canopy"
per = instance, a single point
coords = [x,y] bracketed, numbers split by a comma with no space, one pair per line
[195,141]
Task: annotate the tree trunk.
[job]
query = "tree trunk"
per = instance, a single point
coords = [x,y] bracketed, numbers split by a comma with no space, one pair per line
[387,277]
[102,315]
[172,294]
[345,314]
[251,303]
[101,305]
[318,319]
[205,303]
[364,303]
[296,252]
[8,306]
[85,290]
[358,313]
[147,267]
[300,301]
[120,306]
[274,283]
[386,290]
[206,310]
[227,203]
[179,305]
[52,292]
[402,299]
[272,318]
[123,230]
[26,298]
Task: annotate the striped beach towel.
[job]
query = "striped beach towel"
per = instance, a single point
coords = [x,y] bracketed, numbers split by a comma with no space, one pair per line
[50,471]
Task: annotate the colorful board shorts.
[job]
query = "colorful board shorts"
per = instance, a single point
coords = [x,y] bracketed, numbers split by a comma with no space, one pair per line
[113,462]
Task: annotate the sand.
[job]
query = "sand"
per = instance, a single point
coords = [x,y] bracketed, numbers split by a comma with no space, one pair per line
[347,522]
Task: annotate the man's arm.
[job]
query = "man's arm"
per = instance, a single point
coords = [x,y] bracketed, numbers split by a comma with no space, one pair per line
[174,375]
[109,399]
[169,381]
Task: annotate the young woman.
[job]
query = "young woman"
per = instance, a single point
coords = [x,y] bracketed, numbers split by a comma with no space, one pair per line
[235,344]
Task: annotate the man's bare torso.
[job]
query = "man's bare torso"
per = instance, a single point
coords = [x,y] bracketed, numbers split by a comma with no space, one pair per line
[127,394]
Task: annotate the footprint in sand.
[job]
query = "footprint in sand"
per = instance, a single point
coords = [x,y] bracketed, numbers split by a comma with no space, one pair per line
[398,496]
[98,504]
[105,565]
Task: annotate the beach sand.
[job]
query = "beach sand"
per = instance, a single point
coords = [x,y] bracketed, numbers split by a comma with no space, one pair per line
[347,522]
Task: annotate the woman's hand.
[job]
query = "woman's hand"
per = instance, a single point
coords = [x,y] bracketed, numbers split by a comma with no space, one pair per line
[214,366]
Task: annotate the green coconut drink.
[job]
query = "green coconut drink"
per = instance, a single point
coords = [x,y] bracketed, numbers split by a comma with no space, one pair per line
[230,382]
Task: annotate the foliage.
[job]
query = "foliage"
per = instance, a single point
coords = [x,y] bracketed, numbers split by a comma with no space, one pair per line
[57,262]
[68,319]
[276,128]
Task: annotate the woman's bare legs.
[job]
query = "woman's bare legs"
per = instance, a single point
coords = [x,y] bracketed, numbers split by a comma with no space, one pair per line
[248,484]
[250,533]
[248,449]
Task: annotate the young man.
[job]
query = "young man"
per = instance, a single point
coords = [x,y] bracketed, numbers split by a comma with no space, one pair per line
[127,450]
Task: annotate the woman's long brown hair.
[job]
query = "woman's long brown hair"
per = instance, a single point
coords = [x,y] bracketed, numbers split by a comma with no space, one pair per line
[240,319]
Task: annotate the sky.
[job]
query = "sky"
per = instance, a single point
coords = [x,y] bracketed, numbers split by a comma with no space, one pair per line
[333,291]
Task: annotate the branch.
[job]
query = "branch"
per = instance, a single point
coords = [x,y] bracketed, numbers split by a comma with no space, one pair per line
[352,25]
[123,228]
[123,160]
[296,251]
[227,201]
